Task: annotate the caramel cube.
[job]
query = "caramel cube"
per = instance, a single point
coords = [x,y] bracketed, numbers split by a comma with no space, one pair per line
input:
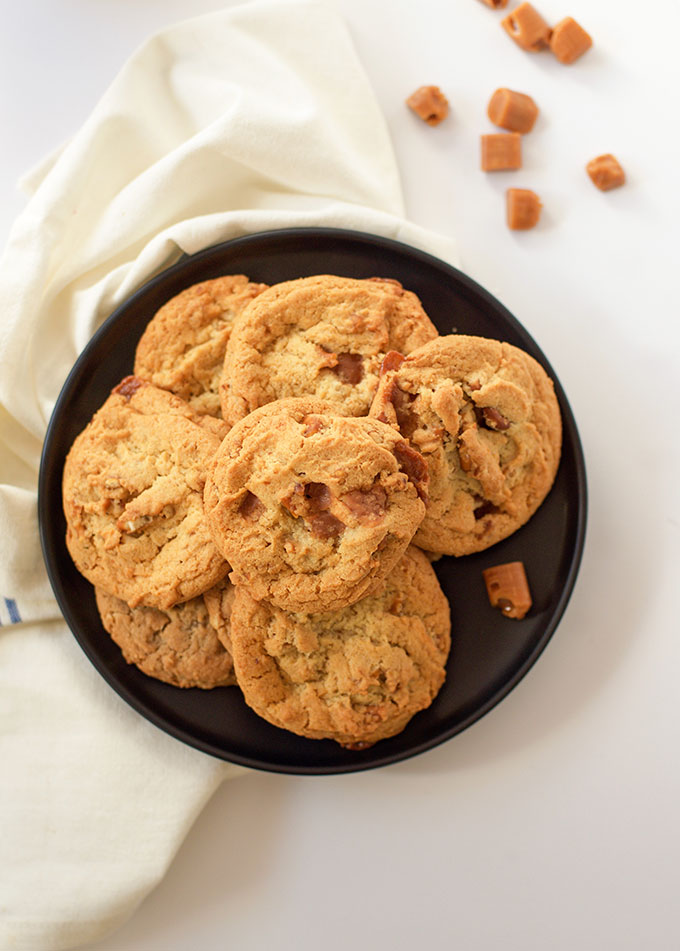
[527,28]
[430,103]
[512,110]
[523,208]
[501,151]
[569,40]
[508,589]
[496,4]
[605,172]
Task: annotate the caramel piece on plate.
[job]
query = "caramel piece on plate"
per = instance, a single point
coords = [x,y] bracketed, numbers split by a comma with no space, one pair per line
[569,40]
[527,28]
[605,172]
[496,4]
[430,103]
[508,589]
[512,110]
[523,208]
[501,151]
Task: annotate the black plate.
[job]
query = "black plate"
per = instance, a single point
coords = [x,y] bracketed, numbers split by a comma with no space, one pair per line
[489,654]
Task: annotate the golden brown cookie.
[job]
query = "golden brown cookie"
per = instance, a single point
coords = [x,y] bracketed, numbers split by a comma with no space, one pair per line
[356,675]
[313,509]
[183,346]
[179,645]
[485,417]
[133,498]
[219,602]
[321,336]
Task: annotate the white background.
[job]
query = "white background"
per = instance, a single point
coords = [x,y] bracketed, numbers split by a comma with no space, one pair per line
[553,822]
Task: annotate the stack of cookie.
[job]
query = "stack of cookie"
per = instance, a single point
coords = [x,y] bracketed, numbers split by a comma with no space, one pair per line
[259,503]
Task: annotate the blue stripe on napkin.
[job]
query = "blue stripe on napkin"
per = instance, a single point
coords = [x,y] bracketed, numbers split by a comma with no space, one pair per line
[13,611]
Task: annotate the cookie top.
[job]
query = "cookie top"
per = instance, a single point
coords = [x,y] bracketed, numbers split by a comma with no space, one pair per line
[133,498]
[321,336]
[485,417]
[356,675]
[312,509]
[183,346]
[179,645]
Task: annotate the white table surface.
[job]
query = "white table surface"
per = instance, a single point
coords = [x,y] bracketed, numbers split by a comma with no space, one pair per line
[552,822]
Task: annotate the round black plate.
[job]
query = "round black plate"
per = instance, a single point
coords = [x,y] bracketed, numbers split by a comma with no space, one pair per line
[489,654]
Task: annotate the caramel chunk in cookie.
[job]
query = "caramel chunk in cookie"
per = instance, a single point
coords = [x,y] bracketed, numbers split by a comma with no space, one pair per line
[356,675]
[180,645]
[484,416]
[183,346]
[133,498]
[321,337]
[311,508]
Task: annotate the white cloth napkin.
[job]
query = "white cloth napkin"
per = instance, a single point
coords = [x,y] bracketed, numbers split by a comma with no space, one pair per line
[247,119]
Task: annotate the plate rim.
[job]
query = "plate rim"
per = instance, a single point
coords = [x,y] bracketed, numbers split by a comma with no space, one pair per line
[186,262]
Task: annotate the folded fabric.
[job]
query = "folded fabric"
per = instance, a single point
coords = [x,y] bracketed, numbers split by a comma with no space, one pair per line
[244,120]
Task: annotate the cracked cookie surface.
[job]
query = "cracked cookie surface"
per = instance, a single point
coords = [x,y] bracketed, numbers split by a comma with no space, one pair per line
[356,675]
[321,336]
[183,346]
[180,645]
[311,508]
[133,498]
[485,417]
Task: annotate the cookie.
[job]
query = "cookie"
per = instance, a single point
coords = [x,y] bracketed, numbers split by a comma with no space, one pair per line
[321,336]
[179,645]
[313,509]
[356,675]
[183,346]
[133,498]
[485,417]
[219,602]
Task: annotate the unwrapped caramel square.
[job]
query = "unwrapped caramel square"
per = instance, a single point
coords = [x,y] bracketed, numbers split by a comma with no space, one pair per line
[523,208]
[527,28]
[569,40]
[508,589]
[430,103]
[605,172]
[512,110]
[501,151]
